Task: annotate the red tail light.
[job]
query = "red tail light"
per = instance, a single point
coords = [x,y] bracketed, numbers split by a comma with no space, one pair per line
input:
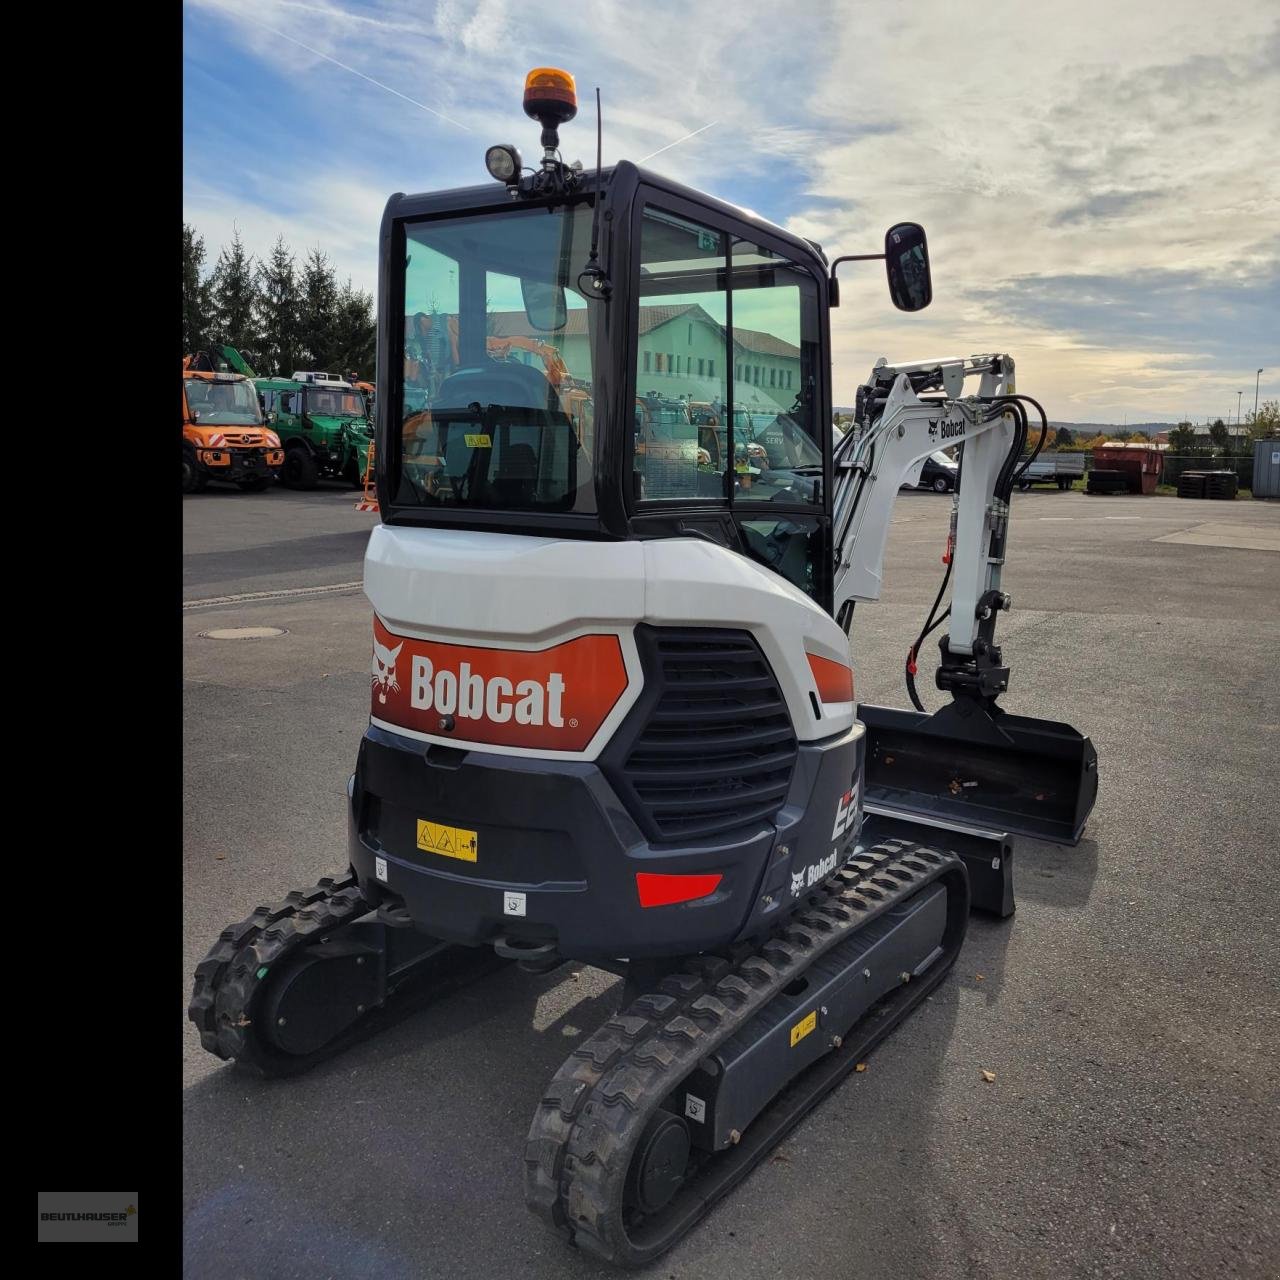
[662,890]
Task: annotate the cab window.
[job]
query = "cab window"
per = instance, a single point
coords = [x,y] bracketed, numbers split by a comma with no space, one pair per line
[775,344]
[680,440]
[726,328]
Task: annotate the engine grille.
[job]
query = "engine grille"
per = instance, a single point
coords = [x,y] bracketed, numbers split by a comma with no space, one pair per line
[715,748]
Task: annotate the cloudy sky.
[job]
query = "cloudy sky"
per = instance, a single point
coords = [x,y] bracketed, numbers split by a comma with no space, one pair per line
[1099,179]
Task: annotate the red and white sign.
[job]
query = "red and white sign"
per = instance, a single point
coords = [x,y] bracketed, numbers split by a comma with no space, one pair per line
[549,699]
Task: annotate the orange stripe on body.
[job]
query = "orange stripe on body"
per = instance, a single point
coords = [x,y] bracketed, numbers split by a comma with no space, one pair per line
[834,679]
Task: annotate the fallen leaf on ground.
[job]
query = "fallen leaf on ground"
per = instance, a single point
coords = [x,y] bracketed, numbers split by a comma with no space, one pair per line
[979,977]
[781,1159]
[862,1066]
[988,1076]
[220,857]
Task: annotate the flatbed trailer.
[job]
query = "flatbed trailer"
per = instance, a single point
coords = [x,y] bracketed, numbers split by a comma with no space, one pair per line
[1062,469]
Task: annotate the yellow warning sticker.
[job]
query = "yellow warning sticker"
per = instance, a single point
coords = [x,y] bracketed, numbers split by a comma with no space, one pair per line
[452,842]
[478,442]
[803,1027]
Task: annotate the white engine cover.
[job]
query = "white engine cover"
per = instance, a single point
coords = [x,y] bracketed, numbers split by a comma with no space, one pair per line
[475,604]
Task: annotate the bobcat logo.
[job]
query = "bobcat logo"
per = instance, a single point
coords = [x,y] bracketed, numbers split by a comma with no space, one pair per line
[384,669]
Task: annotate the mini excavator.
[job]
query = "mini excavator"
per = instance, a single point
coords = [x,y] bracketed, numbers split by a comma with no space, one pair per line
[612,708]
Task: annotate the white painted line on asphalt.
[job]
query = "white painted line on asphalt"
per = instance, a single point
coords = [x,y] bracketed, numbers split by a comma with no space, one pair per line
[1055,519]
[271,595]
[1122,517]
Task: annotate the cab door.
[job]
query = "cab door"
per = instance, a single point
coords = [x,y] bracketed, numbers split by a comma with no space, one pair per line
[728,315]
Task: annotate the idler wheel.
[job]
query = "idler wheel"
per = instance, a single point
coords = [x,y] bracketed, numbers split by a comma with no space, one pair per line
[658,1167]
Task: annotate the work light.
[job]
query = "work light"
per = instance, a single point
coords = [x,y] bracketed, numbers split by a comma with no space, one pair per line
[503,163]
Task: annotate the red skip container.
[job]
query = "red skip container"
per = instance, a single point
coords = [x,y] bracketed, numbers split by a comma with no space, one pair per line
[1141,464]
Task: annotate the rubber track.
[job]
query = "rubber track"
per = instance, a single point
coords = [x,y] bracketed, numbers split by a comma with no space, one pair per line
[228,978]
[597,1104]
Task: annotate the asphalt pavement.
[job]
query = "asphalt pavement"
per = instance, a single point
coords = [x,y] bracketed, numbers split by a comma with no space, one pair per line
[1129,1011]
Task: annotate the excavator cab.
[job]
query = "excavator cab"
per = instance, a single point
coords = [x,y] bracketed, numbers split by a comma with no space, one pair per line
[706,305]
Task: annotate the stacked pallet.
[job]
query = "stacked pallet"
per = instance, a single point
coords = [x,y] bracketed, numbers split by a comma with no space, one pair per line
[1108,482]
[1208,484]
[1221,484]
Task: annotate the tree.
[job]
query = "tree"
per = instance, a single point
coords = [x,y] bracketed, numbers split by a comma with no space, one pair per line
[1264,423]
[318,312]
[1140,437]
[1218,434]
[196,303]
[234,294]
[1182,439]
[1063,439]
[354,332]
[277,306]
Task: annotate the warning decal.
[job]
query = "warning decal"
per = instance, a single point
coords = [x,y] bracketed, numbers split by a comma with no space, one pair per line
[452,842]
[803,1027]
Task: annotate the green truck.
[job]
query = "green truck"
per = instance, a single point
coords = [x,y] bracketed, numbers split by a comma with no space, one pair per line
[324,424]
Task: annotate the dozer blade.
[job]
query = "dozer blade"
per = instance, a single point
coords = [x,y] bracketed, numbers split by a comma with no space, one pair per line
[962,764]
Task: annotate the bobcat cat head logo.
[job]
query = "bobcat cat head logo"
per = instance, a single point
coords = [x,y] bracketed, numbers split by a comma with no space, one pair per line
[384,669]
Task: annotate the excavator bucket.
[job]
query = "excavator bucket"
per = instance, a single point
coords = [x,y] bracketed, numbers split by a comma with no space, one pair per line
[964,765]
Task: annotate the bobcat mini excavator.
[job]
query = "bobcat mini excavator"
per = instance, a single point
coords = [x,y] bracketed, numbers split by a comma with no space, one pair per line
[613,716]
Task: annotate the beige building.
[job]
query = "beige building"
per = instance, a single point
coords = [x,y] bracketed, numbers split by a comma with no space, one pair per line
[682,355]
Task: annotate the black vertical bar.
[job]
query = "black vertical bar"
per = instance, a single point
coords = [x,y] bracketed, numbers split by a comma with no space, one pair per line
[471,317]
[730,470]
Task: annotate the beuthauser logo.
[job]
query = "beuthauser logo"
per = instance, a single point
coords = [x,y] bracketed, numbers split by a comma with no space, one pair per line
[543,699]
[111,1219]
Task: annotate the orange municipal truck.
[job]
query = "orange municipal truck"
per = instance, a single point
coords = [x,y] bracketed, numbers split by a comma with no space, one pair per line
[223,434]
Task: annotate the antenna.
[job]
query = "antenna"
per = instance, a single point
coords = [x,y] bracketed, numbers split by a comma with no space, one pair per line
[600,286]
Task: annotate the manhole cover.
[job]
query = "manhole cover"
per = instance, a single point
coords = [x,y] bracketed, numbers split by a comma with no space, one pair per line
[243,633]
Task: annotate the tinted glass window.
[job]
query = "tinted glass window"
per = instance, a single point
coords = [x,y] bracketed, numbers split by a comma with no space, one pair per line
[680,442]
[775,336]
[685,350]
[495,410]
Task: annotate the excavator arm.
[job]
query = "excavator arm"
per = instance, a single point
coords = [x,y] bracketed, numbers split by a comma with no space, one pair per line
[901,429]
[971,763]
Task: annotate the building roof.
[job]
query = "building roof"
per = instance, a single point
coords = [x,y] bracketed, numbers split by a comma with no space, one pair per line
[765,344]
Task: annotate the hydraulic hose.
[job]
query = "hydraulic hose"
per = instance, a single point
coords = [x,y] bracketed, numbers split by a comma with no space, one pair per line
[1004,481]
[1044,435]
[930,625]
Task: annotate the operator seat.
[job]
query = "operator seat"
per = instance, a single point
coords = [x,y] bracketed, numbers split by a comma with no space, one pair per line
[497,382]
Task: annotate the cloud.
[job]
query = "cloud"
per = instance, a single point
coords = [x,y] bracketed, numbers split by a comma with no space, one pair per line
[1105,205]
[1095,178]
[1150,310]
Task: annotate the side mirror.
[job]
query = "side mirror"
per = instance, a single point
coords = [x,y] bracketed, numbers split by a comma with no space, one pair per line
[544,305]
[906,263]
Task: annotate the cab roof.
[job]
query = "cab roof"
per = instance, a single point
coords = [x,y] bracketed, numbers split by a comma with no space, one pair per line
[493,195]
